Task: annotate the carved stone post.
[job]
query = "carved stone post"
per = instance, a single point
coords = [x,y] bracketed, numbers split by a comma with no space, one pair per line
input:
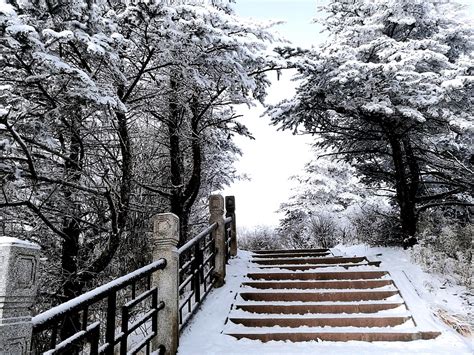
[18,283]
[230,212]
[165,241]
[216,209]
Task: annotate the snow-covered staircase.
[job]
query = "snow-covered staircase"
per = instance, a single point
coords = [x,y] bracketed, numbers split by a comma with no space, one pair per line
[302,295]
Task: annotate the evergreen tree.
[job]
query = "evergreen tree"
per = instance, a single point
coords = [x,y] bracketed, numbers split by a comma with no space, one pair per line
[392,92]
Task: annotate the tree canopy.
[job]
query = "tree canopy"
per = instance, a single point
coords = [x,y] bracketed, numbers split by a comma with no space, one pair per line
[111,112]
[391,92]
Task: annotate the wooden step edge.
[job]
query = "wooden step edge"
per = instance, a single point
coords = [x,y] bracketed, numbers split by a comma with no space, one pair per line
[240,313]
[318,296]
[294,255]
[319,284]
[310,260]
[294,322]
[274,251]
[337,336]
[314,266]
[307,308]
[323,275]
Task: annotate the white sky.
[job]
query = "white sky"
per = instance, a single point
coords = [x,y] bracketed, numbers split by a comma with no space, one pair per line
[275,156]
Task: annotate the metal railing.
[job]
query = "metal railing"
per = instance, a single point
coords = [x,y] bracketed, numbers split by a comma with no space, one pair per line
[80,321]
[122,315]
[196,272]
[228,237]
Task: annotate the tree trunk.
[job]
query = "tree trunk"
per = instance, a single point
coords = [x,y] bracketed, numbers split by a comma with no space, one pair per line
[176,164]
[406,187]
[71,285]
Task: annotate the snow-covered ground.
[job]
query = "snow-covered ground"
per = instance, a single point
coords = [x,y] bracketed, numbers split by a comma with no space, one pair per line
[422,292]
[439,293]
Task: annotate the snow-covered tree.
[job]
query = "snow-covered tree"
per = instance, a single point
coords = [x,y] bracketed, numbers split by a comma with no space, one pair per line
[392,92]
[111,112]
[315,214]
[63,174]
[209,60]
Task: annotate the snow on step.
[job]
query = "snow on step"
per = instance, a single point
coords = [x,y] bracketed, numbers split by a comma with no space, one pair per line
[334,308]
[325,275]
[292,255]
[286,297]
[332,267]
[363,334]
[399,310]
[322,260]
[292,251]
[311,284]
[317,296]
[346,321]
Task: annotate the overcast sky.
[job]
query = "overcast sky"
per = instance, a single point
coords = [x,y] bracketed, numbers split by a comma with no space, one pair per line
[274,156]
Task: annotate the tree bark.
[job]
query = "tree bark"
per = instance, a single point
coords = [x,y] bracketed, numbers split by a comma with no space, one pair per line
[183,194]
[71,285]
[406,185]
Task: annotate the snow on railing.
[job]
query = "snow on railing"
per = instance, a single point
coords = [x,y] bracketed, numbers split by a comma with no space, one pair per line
[122,315]
[77,323]
[197,264]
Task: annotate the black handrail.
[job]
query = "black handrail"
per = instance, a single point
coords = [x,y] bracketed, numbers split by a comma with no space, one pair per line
[228,237]
[76,314]
[197,263]
[197,238]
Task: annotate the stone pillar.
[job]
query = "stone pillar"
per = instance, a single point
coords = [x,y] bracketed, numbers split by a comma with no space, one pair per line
[230,212]
[18,283]
[165,241]
[216,209]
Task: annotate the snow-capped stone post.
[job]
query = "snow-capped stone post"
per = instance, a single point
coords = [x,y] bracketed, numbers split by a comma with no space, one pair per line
[18,284]
[165,241]
[230,212]
[216,209]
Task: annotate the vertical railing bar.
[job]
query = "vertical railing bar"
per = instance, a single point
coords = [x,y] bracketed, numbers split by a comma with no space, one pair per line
[196,274]
[85,315]
[54,335]
[110,326]
[133,289]
[124,328]
[94,341]
[154,305]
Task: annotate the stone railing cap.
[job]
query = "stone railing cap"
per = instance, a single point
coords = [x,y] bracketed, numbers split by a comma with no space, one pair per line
[9,241]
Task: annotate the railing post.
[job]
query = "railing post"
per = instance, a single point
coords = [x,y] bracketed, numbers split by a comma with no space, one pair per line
[18,283]
[216,209]
[230,212]
[165,241]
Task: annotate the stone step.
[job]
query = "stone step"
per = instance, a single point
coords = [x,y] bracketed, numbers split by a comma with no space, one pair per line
[319,308]
[318,266]
[338,275]
[366,321]
[317,296]
[298,261]
[359,335]
[294,255]
[345,284]
[289,251]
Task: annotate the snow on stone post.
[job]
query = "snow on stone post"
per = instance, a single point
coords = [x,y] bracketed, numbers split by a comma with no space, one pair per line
[230,212]
[216,209]
[165,241]
[18,283]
